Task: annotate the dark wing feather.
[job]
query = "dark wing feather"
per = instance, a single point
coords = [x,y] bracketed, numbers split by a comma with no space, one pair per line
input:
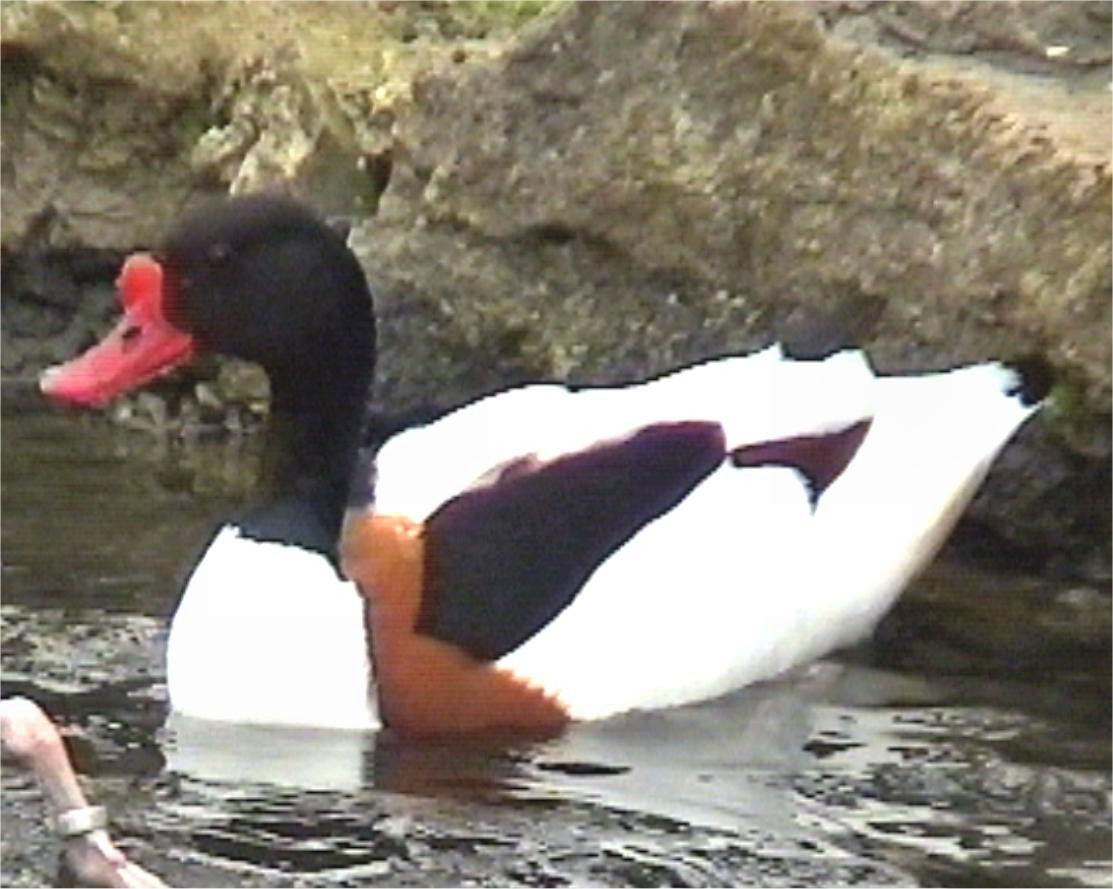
[503,559]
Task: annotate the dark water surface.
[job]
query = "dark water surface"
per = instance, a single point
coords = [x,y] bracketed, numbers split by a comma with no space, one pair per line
[969,744]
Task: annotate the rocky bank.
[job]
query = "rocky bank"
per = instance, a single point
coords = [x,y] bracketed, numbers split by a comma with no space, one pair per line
[600,192]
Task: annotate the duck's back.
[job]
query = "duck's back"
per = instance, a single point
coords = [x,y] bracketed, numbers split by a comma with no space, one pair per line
[753,397]
[750,574]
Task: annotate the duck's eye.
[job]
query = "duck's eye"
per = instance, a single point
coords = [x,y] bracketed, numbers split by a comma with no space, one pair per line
[130,334]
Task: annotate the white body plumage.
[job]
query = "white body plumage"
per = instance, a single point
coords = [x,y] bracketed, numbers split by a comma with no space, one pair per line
[739,582]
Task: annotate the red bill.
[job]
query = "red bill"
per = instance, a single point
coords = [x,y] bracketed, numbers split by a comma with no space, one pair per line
[141,347]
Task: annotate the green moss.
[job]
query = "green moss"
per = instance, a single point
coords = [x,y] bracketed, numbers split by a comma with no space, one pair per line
[192,123]
[504,13]
[468,20]
[1068,411]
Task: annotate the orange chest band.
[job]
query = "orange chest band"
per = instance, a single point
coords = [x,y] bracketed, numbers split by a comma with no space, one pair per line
[425,685]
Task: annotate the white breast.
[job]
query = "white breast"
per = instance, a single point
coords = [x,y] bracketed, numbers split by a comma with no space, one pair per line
[268,633]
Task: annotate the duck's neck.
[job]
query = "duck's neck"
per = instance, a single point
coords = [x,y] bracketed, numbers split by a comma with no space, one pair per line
[316,426]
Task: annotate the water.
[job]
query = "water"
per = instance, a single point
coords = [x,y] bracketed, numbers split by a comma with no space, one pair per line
[968,744]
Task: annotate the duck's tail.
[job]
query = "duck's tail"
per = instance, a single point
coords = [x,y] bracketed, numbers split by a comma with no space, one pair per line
[818,413]
[931,443]
[1028,378]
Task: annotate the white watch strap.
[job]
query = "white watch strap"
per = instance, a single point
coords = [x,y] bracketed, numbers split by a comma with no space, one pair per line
[79,822]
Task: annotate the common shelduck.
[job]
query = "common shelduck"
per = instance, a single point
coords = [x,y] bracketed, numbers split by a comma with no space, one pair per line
[543,554]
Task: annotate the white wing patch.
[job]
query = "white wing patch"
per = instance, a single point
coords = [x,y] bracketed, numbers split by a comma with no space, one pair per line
[754,398]
[742,580]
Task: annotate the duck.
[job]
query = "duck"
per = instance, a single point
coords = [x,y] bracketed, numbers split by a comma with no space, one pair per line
[543,554]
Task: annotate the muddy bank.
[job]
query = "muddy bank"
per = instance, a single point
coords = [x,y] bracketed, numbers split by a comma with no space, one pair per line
[600,192]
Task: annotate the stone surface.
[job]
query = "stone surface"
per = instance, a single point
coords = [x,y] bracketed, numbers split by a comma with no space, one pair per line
[737,176]
[600,192]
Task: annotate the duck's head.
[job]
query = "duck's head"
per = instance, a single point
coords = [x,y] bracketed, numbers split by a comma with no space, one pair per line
[257,277]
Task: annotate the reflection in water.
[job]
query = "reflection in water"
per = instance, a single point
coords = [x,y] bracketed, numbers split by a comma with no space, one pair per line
[696,795]
[950,793]
[306,759]
[956,766]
